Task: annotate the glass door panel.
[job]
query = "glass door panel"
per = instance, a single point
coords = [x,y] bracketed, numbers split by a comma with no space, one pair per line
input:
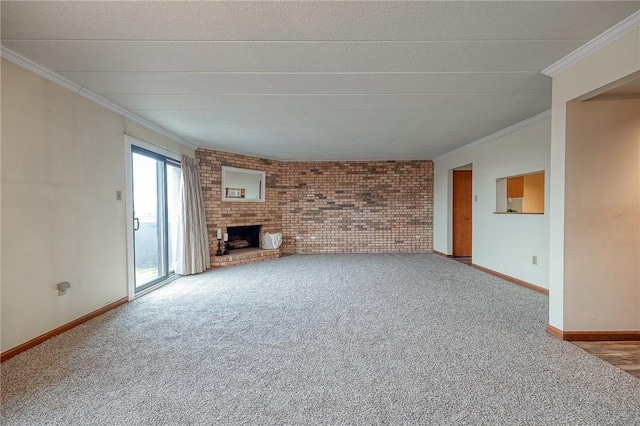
[156,209]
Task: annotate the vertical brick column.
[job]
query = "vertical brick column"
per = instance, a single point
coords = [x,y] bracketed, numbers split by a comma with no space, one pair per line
[224,214]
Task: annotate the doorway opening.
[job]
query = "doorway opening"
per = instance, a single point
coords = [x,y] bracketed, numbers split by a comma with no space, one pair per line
[462,206]
[156,210]
[154,216]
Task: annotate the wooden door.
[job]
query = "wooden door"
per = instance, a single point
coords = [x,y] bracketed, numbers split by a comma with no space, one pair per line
[462,199]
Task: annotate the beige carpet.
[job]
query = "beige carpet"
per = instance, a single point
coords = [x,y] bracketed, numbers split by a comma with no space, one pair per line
[326,339]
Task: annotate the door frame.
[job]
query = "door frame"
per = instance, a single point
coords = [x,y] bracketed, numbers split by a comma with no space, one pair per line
[129,142]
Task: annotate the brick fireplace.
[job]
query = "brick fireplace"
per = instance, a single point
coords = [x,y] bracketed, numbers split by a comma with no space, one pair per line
[325,207]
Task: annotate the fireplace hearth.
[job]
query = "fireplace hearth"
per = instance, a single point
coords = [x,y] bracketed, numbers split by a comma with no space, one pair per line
[243,236]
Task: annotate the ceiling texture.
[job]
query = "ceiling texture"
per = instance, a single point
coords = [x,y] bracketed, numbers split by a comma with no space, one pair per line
[314,80]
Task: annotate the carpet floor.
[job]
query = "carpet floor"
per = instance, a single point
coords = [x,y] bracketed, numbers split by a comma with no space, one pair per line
[321,339]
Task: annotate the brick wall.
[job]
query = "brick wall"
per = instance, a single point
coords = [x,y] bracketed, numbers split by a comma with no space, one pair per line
[357,207]
[224,214]
[349,207]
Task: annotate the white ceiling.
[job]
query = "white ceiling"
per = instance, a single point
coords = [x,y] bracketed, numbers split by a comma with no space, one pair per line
[314,80]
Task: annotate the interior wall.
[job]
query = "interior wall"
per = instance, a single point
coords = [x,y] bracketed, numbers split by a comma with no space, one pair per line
[333,207]
[357,206]
[62,163]
[502,242]
[603,67]
[602,216]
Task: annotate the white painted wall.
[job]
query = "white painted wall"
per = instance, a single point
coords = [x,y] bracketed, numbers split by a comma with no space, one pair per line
[602,216]
[62,162]
[613,62]
[502,242]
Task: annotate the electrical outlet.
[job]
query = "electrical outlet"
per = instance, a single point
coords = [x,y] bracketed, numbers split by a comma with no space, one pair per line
[475,198]
[534,260]
[63,287]
[118,195]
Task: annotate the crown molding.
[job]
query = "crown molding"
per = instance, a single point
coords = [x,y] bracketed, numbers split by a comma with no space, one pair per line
[501,133]
[612,34]
[42,71]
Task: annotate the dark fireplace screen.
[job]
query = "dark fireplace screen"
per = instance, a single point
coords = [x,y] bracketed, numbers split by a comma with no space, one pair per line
[243,236]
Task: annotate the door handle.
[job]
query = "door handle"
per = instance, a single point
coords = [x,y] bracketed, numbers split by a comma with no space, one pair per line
[136,224]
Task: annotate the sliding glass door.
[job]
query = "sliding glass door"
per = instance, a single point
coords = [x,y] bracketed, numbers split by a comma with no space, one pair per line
[156,216]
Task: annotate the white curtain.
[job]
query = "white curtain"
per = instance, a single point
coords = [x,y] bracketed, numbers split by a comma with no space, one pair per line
[195,253]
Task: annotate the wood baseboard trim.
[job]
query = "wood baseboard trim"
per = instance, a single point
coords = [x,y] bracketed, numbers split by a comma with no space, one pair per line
[68,326]
[512,280]
[555,332]
[439,253]
[593,336]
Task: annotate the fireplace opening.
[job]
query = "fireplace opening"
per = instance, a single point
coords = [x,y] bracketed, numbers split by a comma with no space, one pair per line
[243,236]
